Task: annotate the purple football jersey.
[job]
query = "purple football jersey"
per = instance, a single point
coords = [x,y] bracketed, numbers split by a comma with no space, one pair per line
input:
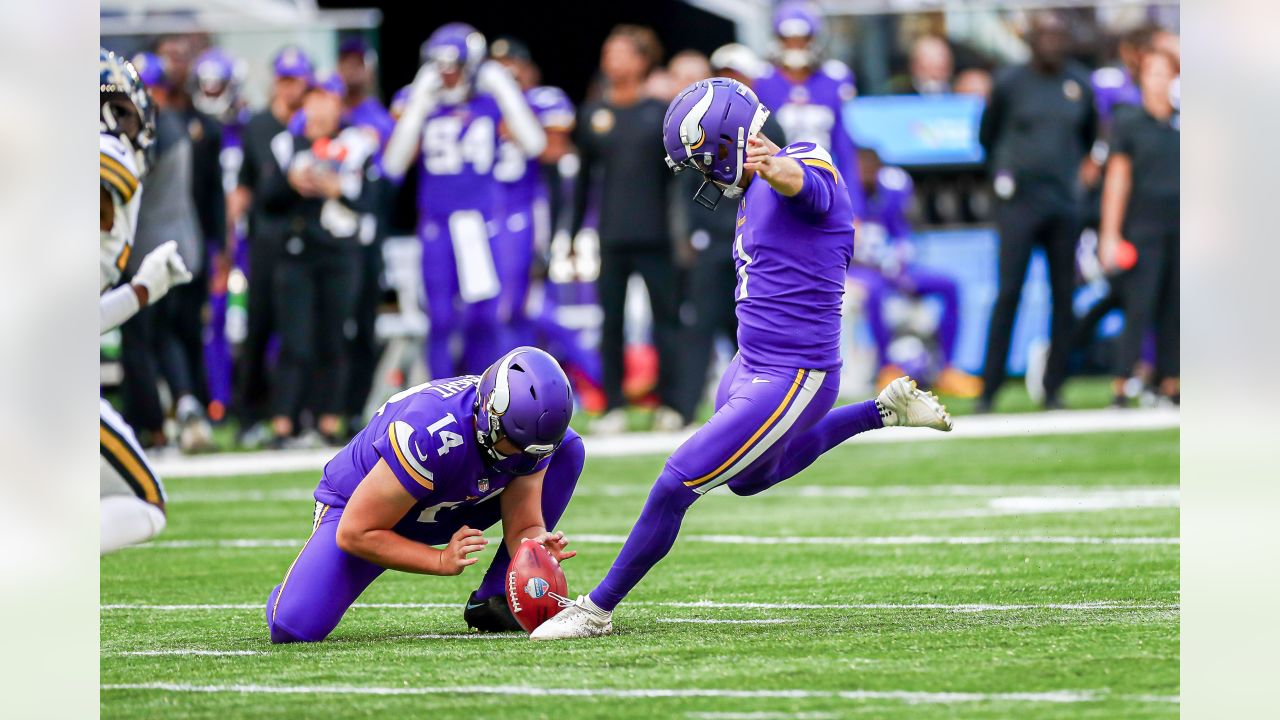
[370,113]
[883,216]
[459,150]
[427,435]
[518,173]
[1112,86]
[791,256]
[811,111]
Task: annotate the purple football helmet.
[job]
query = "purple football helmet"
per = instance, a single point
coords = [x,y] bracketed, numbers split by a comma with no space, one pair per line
[217,79]
[524,397]
[456,44]
[706,129]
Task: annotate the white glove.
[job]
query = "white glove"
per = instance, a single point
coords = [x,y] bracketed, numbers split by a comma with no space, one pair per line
[160,270]
[427,83]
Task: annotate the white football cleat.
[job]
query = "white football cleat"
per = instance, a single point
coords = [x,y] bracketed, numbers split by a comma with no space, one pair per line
[579,619]
[903,404]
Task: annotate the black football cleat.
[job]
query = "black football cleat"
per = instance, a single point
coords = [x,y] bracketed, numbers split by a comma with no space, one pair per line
[490,615]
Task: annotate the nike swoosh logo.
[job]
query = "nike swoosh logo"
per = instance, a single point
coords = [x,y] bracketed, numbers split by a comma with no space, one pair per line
[473,607]
[757,380]
[418,451]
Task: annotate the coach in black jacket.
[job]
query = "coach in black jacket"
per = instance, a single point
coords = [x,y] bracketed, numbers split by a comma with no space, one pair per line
[320,194]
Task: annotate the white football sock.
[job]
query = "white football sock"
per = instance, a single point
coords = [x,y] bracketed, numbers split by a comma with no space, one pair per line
[127,520]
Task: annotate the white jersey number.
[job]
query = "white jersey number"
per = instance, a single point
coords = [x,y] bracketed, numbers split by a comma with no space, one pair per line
[448,149]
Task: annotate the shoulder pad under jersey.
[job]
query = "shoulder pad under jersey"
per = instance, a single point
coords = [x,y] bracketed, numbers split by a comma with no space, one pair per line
[843,76]
[117,170]
[552,107]
[810,154]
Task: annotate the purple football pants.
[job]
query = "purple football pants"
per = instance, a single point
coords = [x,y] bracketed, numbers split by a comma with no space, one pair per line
[477,322]
[770,424]
[916,283]
[324,580]
[513,259]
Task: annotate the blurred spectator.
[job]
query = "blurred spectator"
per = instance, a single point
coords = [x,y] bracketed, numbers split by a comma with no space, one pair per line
[319,192]
[974,81]
[362,109]
[159,340]
[267,229]
[175,54]
[1114,85]
[738,62]
[1140,215]
[1037,132]
[686,68]
[712,280]
[930,71]
[882,265]
[621,154]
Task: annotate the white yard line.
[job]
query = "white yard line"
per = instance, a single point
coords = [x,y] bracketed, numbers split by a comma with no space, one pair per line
[721,621]
[210,493]
[1062,422]
[711,605]
[759,716]
[186,652]
[906,696]
[252,543]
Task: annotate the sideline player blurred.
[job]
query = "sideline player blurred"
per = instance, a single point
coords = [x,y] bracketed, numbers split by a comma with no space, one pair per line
[524,226]
[774,413]
[806,93]
[436,465]
[881,264]
[453,113]
[132,499]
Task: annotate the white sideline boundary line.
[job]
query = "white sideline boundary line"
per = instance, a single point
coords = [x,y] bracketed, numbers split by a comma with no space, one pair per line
[707,605]
[906,696]
[184,652]
[593,539]
[1057,422]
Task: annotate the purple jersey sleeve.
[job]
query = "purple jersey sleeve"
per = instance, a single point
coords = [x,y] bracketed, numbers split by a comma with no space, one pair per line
[552,107]
[820,178]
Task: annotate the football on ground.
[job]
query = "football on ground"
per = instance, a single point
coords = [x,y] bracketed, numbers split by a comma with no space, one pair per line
[535,585]
[1032,576]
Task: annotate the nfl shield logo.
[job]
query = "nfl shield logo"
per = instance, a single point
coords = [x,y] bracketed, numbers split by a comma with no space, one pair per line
[536,587]
[483,485]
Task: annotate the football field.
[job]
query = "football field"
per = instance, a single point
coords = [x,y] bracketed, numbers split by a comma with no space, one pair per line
[994,577]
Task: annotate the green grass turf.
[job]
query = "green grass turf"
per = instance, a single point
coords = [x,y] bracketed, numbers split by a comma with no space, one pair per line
[1124,652]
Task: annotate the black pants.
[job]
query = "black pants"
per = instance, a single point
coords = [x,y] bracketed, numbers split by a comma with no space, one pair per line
[182,339]
[252,381]
[658,270]
[712,288]
[140,400]
[163,340]
[315,295]
[1024,222]
[1152,295]
[362,348]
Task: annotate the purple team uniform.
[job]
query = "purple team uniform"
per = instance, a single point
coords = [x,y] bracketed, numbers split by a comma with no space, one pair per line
[458,203]
[427,437]
[524,223]
[812,111]
[774,412]
[885,239]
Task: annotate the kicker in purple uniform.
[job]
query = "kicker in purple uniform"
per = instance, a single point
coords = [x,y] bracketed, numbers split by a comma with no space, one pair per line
[774,412]
[443,443]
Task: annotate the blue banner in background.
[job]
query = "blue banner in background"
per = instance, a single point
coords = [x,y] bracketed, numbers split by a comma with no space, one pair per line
[916,130]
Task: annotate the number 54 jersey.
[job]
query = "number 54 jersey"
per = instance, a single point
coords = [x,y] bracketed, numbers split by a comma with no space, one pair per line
[427,436]
[459,148]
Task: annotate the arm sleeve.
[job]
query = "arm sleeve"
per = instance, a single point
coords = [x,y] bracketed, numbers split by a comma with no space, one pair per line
[992,117]
[399,447]
[818,193]
[1089,128]
[248,174]
[1122,134]
[582,184]
[523,126]
[116,306]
